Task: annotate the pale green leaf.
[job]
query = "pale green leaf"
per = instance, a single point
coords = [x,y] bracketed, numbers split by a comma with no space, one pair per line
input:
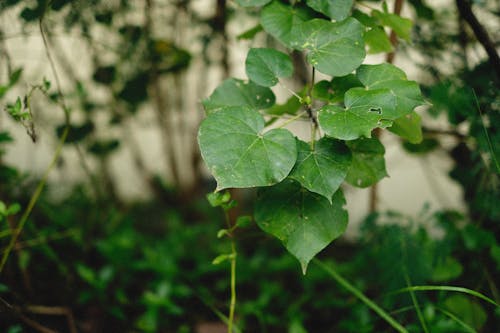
[238,154]
[304,221]
[401,26]
[335,9]
[234,92]
[335,48]
[377,41]
[281,21]
[264,66]
[371,75]
[368,163]
[365,110]
[408,127]
[323,169]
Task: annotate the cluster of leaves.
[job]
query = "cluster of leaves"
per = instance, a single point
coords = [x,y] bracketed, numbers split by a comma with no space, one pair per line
[300,200]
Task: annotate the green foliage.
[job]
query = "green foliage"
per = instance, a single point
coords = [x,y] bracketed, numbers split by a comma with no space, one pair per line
[265,66]
[304,221]
[241,153]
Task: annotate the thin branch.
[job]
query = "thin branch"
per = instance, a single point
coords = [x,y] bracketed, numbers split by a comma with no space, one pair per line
[465,9]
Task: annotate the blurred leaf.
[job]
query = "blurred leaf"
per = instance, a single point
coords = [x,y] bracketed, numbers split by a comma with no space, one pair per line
[467,310]
[408,127]
[447,270]
[368,163]
[104,147]
[425,146]
[76,132]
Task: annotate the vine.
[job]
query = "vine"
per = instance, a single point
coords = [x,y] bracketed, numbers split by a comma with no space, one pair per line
[300,200]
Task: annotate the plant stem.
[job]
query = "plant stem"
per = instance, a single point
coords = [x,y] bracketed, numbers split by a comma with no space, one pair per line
[41,184]
[356,292]
[232,304]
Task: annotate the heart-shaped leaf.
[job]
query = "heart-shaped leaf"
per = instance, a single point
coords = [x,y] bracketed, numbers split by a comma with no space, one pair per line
[234,92]
[239,155]
[387,76]
[365,110]
[264,66]
[304,221]
[335,48]
[368,163]
[322,169]
[335,9]
[281,22]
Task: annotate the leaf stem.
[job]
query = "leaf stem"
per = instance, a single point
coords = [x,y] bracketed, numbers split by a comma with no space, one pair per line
[292,119]
[356,292]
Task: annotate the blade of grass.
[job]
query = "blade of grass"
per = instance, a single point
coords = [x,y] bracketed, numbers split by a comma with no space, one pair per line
[447,288]
[356,292]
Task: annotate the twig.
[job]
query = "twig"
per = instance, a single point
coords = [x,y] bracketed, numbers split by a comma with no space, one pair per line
[465,10]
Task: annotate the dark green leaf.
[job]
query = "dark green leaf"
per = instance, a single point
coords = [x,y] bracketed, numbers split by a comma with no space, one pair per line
[238,154]
[365,110]
[368,163]
[423,147]
[387,76]
[234,92]
[264,66]
[250,33]
[335,48]
[335,9]
[304,221]
[76,132]
[323,169]
[104,147]
[281,21]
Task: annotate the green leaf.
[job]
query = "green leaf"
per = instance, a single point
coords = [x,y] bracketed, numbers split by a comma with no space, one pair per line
[217,199]
[401,26]
[377,41]
[447,270]
[250,33]
[371,75]
[365,110]
[335,90]
[335,9]
[323,169]
[233,92]
[243,221]
[408,127]
[281,21]
[423,147]
[387,76]
[304,221]
[368,163]
[264,66]
[469,311]
[335,48]
[252,3]
[239,155]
